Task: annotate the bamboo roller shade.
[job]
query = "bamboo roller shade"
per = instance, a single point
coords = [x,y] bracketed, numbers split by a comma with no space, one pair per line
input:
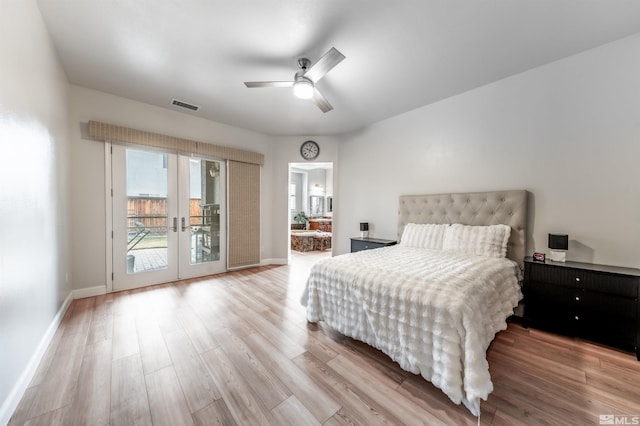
[244,223]
[110,132]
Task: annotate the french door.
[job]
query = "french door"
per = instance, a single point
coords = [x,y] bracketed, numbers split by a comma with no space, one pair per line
[168,214]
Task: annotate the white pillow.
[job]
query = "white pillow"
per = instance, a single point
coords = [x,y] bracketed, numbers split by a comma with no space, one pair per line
[423,235]
[488,241]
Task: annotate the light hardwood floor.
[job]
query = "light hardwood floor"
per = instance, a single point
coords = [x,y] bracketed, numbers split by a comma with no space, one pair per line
[236,349]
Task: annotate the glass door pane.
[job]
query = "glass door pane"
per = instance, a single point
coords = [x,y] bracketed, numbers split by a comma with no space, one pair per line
[204,210]
[147,211]
[202,205]
[145,241]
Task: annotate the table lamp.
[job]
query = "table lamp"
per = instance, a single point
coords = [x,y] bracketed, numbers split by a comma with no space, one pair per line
[558,242]
[364,229]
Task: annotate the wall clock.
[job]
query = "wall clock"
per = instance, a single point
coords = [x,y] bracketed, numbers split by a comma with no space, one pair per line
[309,150]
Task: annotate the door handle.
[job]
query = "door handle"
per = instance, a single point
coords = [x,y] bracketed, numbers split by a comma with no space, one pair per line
[175,224]
[183,225]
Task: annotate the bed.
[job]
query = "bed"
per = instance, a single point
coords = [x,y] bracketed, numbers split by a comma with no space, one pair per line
[434,302]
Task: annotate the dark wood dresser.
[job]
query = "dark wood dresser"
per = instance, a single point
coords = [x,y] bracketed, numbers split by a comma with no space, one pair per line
[359,244]
[594,302]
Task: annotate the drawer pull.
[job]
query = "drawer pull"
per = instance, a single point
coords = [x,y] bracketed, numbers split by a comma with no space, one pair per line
[576,318]
[578,298]
[578,279]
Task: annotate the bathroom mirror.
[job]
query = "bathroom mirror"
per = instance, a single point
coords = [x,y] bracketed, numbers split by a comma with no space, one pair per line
[316,205]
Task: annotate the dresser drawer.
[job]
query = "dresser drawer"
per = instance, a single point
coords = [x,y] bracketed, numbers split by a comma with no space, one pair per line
[359,244]
[549,274]
[606,305]
[620,285]
[548,307]
[546,297]
[609,283]
[547,293]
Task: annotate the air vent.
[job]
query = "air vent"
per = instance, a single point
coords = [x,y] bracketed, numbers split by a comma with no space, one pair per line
[184,105]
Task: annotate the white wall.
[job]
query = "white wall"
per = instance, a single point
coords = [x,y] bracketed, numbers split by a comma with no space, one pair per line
[287,150]
[329,184]
[34,193]
[568,132]
[88,200]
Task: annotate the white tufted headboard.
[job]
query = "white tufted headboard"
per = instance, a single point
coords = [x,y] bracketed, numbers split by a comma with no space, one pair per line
[473,208]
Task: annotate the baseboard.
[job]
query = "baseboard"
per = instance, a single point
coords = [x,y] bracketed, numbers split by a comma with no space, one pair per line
[81,293]
[13,399]
[264,262]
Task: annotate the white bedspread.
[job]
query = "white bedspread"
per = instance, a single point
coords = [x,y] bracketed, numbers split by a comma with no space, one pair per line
[435,313]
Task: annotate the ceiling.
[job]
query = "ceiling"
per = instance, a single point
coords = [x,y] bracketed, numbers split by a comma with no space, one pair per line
[400,55]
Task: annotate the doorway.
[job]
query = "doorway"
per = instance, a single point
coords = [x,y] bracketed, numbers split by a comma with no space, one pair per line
[168,214]
[310,212]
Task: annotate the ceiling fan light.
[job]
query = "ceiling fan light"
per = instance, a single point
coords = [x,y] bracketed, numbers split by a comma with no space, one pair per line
[303,89]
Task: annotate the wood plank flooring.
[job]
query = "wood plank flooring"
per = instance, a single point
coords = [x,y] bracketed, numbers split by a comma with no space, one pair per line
[235,349]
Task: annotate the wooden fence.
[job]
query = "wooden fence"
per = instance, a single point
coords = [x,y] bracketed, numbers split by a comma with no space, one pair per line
[151,212]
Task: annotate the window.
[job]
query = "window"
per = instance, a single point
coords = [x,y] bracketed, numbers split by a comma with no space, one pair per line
[292,197]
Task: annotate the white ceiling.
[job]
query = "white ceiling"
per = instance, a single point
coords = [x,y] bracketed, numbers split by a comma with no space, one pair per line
[400,55]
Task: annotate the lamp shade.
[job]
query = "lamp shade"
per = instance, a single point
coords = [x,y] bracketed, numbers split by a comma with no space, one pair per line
[558,241]
[364,226]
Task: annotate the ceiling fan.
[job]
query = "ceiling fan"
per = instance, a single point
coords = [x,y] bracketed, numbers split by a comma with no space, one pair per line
[304,81]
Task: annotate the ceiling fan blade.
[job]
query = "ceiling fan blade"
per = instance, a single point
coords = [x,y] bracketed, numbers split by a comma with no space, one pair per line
[321,102]
[330,59]
[252,84]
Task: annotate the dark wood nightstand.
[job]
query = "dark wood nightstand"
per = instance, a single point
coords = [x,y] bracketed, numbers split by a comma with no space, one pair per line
[359,244]
[594,302]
